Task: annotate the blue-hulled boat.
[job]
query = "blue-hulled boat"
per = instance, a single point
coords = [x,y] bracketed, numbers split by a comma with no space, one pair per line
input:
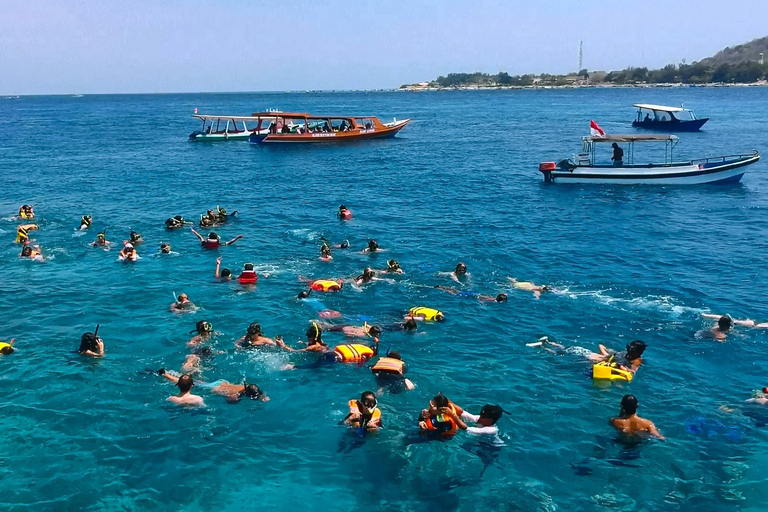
[667,119]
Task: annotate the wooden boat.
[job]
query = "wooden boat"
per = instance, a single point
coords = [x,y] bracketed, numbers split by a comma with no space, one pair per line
[582,168]
[220,128]
[667,119]
[292,127]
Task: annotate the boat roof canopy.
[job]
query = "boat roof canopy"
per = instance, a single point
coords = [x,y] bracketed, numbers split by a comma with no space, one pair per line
[630,138]
[661,108]
[303,114]
[206,117]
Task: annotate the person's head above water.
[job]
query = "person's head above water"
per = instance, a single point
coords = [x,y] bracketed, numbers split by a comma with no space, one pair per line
[26,251]
[373,245]
[439,401]
[252,391]
[635,349]
[369,273]
[342,208]
[135,237]
[502,297]
[314,333]
[410,324]
[185,383]
[182,297]
[374,331]
[203,327]
[303,295]
[165,248]
[393,265]
[248,267]
[490,414]
[460,269]
[725,323]
[213,236]
[253,330]
[225,273]
[368,399]
[395,355]
[88,342]
[629,405]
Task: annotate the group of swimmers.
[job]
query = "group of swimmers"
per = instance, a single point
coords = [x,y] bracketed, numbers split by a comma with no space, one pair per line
[442,417]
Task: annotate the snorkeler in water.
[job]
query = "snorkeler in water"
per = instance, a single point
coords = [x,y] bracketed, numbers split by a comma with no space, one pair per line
[232,392]
[373,246]
[254,338]
[353,331]
[222,274]
[325,252]
[629,423]
[389,372]
[185,396]
[725,324]
[342,245]
[85,222]
[364,413]
[31,252]
[136,238]
[214,241]
[502,297]
[91,345]
[176,222]
[630,359]
[22,232]
[527,286]
[128,253]
[202,332]
[6,347]
[165,248]
[393,267]
[26,211]
[101,240]
[367,276]
[182,304]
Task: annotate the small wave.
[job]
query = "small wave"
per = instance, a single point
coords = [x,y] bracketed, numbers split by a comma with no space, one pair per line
[662,303]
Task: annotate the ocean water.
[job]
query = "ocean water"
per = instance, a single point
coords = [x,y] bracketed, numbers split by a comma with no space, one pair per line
[459,184]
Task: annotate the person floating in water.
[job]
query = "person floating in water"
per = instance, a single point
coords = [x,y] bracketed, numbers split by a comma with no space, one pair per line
[367,276]
[101,240]
[389,372]
[527,286]
[344,213]
[85,222]
[393,267]
[353,331]
[502,297]
[618,155]
[128,253]
[364,413]
[182,304]
[165,248]
[91,345]
[222,274]
[439,419]
[485,421]
[214,241]
[202,333]
[22,232]
[373,246]
[176,222]
[459,273]
[254,338]
[630,359]
[232,392]
[136,238]
[725,324]
[26,211]
[31,252]
[325,252]
[342,245]
[185,396]
[6,347]
[629,423]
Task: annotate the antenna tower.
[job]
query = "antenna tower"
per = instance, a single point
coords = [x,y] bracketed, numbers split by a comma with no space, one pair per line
[581,55]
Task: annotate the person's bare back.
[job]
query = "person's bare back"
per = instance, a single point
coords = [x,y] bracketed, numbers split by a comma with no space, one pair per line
[188,400]
[630,423]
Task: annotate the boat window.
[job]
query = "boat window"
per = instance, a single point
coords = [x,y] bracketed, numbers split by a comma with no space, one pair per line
[364,122]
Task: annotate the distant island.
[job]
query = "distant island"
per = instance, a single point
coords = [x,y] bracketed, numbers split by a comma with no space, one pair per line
[740,65]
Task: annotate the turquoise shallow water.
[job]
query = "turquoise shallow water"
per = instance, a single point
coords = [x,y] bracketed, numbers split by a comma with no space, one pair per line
[459,184]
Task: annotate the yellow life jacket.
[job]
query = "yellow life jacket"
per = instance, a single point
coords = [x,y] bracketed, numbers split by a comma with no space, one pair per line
[610,371]
[6,348]
[326,285]
[389,365]
[354,353]
[21,234]
[428,314]
[375,417]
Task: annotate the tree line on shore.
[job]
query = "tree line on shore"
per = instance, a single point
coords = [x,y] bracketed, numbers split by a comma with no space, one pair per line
[695,73]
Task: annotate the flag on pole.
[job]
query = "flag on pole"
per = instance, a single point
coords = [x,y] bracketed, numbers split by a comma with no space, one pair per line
[595,129]
[196,111]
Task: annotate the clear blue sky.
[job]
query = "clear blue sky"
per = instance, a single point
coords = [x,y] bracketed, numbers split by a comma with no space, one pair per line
[104,46]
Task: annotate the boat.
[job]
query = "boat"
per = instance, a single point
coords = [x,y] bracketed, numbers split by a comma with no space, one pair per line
[582,168]
[667,119]
[292,127]
[220,128]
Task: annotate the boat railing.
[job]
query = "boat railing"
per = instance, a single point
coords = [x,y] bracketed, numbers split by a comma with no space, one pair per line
[724,158]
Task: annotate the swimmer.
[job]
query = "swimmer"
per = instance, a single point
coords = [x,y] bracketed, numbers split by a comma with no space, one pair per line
[364,413]
[193,363]
[22,232]
[628,422]
[232,392]
[353,331]
[342,245]
[203,331]
[529,287]
[136,238]
[434,418]
[248,275]
[185,396]
[165,248]
[485,421]
[725,323]
[502,297]
[128,253]
[344,213]
[85,222]
[759,397]
[630,359]
[213,241]
[26,211]
[6,348]
[222,274]
[254,338]
[176,222]
[314,342]
[325,252]
[32,252]
[373,246]
[393,267]
[101,240]
[367,276]
[91,345]
[389,372]
[222,215]
[182,304]
[459,273]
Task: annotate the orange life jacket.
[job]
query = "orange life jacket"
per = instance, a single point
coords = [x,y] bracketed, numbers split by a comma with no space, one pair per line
[375,417]
[389,365]
[438,423]
[354,353]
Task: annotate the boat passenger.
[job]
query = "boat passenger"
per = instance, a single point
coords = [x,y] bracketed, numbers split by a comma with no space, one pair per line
[364,413]
[185,397]
[182,304]
[647,118]
[527,286]
[101,240]
[254,338]
[203,331]
[91,345]
[618,155]
[224,274]
[389,372]
[629,423]
[22,232]
[165,248]
[6,348]
[136,238]
[128,253]
[213,241]
[85,222]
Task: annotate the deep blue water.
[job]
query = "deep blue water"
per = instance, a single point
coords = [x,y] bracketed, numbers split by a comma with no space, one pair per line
[459,184]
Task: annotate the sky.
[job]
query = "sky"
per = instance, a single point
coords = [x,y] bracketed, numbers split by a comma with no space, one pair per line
[137,46]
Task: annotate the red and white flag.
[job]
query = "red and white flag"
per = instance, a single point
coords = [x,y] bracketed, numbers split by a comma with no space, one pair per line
[196,111]
[595,129]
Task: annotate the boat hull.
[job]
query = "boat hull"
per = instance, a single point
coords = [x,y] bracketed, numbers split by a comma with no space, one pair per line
[295,138]
[220,137]
[692,125]
[726,171]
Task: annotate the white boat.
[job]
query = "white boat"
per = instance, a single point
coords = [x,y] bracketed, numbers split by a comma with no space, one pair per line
[220,128]
[582,168]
